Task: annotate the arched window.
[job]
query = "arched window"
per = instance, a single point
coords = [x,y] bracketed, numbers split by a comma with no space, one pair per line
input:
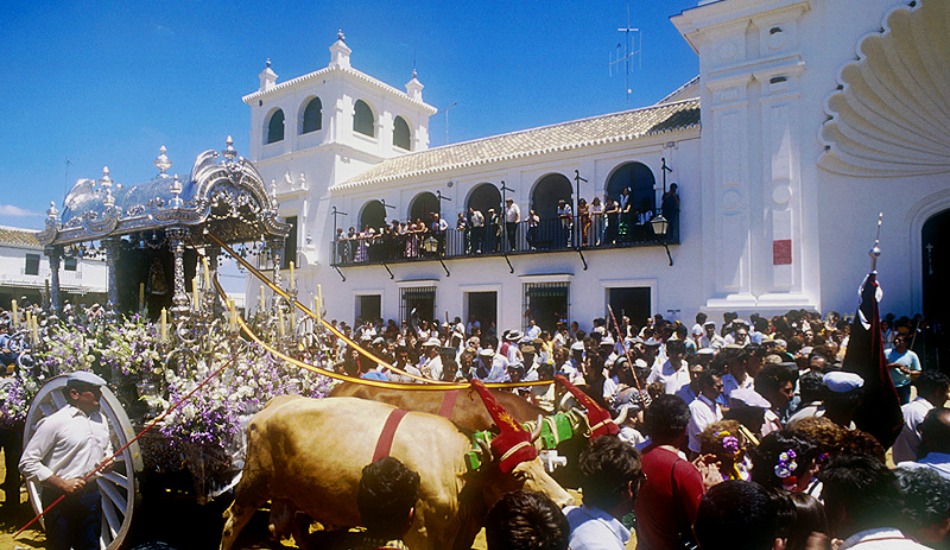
[364,122]
[312,116]
[548,191]
[402,137]
[423,206]
[483,197]
[639,178]
[275,127]
[373,215]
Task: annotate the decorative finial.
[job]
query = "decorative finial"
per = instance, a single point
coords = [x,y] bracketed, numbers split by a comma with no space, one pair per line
[875,251]
[106,181]
[340,36]
[161,161]
[52,212]
[176,190]
[267,63]
[229,152]
[414,73]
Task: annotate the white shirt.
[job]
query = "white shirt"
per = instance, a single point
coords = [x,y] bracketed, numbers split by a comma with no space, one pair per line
[730,384]
[938,462]
[702,412]
[433,368]
[594,529]
[67,443]
[884,538]
[672,377]
[905,447]
[513,214]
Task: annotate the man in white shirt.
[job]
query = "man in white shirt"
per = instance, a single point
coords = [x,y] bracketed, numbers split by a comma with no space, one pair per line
[932,388]
[611,479]
[674,372]
[512,219]
[478,229]
[433,366]
[704,410]
[711,339]
[67,446]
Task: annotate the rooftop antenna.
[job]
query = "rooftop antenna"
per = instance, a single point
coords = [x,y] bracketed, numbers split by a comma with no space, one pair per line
[624,53]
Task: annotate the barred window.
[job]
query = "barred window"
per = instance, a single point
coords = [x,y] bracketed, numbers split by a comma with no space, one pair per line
[547,303]
[417,304]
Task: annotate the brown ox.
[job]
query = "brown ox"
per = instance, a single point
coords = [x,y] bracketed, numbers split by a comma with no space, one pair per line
[308,454]
[469,413]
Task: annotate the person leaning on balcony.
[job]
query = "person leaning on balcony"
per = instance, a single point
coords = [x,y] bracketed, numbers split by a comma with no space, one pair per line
[671,211]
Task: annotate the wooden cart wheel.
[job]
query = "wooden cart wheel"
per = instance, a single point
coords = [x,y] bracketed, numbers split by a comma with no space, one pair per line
[119,488]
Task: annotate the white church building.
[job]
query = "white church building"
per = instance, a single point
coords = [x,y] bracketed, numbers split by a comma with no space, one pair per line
[808,118]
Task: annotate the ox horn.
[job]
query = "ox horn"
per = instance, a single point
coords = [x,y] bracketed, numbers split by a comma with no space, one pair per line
[485,447]
[622,416]
[536,432]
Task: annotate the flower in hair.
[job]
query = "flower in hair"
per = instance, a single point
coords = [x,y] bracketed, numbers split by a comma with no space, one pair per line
[731,444]
[786,464]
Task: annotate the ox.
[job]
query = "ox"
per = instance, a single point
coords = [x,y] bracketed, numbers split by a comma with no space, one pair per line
[467,411]
[308,454]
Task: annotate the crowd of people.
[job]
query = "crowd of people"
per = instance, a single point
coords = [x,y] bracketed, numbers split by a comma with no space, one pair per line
[506,229]
[738,434]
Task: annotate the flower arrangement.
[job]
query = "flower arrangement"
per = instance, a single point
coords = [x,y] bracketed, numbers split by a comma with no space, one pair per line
[785,467]
[206,434]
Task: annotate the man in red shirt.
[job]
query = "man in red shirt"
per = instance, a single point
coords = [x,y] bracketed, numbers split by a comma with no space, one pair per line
[669,498]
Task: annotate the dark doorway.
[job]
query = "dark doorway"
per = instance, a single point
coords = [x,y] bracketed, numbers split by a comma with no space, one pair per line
[423,206]
[483,197]
[547,304]
[548,192]
[484,307]
[374,215]
[368,308]
[935,253]
[639,178]
[633,302]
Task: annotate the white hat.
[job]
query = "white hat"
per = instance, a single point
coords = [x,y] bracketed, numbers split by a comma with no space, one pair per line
[607,341]
[749,398]
[486,352]
[84,377]
[651,343]
[378,340]
[842,382]
[514,336]
[435,342]
[577,346]
[709,324]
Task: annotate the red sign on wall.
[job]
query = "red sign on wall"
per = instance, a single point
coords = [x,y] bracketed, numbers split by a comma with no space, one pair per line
[782,252]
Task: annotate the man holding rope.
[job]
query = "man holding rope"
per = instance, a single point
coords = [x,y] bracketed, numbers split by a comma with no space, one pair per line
[66,446]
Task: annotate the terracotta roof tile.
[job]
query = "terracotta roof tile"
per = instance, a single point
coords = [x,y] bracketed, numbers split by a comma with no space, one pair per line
[615,127]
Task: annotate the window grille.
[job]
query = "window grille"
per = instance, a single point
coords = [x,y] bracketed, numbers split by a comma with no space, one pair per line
[420,299]
[547,304]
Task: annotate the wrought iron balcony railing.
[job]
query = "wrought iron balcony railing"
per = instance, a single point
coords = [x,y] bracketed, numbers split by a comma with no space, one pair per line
[545,236]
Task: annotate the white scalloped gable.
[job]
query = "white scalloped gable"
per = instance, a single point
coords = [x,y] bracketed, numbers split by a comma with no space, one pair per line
[891,114]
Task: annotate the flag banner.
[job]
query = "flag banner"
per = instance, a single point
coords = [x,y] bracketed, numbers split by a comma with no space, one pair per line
[879,413]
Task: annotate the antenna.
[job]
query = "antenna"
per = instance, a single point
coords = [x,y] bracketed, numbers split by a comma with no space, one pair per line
[624,53]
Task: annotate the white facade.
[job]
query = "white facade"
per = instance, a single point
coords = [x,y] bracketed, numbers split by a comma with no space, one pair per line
[24,271]
[816,115]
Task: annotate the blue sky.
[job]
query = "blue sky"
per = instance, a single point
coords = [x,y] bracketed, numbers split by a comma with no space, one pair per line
[108,83]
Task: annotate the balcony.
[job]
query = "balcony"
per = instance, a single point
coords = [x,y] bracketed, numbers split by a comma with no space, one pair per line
[546,236]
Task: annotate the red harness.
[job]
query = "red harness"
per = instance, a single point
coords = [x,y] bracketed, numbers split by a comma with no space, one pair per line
[385,443]
[448,403]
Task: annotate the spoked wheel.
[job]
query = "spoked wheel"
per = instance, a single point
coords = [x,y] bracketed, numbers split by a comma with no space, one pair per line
[119,488]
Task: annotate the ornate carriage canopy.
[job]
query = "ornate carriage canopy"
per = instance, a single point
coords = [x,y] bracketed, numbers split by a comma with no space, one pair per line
[224,195]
